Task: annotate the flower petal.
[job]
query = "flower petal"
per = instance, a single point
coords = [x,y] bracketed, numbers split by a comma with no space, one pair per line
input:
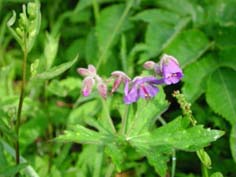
[87,84]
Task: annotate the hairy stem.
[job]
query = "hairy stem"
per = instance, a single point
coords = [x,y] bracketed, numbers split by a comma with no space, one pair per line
[20,105]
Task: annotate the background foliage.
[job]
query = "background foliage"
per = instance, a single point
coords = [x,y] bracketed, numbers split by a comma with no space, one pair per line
[116,35]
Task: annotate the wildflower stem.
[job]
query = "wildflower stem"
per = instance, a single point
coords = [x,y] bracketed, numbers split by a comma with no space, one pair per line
[125,120]
[173,163]
[108,115]
[204,171]
[173,167]
[20,104]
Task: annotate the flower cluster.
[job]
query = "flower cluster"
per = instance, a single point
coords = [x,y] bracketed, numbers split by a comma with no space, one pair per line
[167,71]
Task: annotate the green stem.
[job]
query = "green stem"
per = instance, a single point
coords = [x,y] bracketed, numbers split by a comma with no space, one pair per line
[98,161]
[108,117]
[96,10]
[20,105]
[125,120]
[204,171]
[114,33]
[173,166]
[173,163]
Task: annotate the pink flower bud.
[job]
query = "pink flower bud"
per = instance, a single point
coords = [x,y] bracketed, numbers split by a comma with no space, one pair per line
[120,77]
[87,84]
[149,65]
[92,69]
[102,89]
[83,71]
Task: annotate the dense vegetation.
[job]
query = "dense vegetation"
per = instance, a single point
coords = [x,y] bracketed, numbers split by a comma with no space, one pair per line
[58,132]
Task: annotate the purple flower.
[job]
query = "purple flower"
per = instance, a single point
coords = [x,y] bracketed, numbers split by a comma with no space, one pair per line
[170,70]
[144,87]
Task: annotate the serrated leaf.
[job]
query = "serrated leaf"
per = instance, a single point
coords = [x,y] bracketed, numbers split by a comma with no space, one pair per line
[176,135]
[55,71]
[228,58]
[83,135]
[188,46]
[195,86]
[233,142]
[221,95]
[158,158]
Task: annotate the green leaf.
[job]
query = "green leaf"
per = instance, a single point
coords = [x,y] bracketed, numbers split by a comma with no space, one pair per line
[117,155]
[147,113]
[82,4]
[188,46]
[56,71]
[34,15]
[182,7]
[50,49]
[158,16]
[12,170]
[159,36]
[158,158]
[91,48]
[217,174]
[83,135]
[10,23]
[63,87]
[4,128]
[195,86]
[227,58]
[221,95]
[233,142]
[163,27]
[112,22]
